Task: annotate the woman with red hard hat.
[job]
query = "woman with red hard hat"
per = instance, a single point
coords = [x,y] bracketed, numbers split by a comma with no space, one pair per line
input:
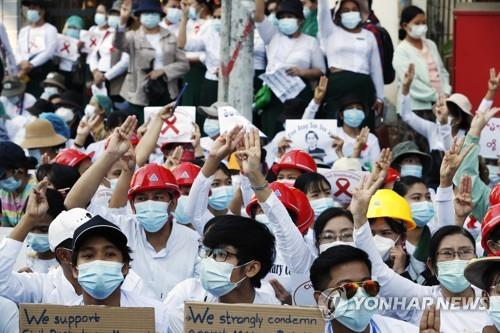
[184,174]
[74,158]
[292,165]
[152,192]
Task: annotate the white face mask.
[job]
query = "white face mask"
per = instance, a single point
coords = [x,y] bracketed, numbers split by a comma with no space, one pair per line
[384,245]
[326,246]
[89,111]
[418,31]
[289,182]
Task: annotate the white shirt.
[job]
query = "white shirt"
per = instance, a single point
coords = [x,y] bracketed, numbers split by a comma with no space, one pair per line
[154,40]
[51,287]
[37,45]
[259,52]
[355,52]
[14,110]
[9,316]
[39,265]
[100,58]
[283,51]
[382,324]
[197,205]
[190,290]
[393,284]
[10,61]
[208,41]
[162,270]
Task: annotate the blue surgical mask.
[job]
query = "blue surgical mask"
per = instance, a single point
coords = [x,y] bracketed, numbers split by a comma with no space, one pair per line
[100,278]
[150,20]
[10,184]
[273,19]
[494,311]
[262,218]
[215,277]
[451,275]
[350,20]
[180,213]
[422,212]
[356,312]
[354,117]
[38,242]
[174,15]
[221,197]
[211,127]
[193,15]
[414,170]
[217,24]
[114,21]
[72,32]
[100,19]
[320,205]
[32,15]
[112,183]
[152,215]
[288,26]
[306,11]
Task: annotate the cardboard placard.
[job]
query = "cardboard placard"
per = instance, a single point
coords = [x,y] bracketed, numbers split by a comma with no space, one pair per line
[313,137]
[230,117]
[490,139]
[41,318]
[67,48]
[343,183]
[216,317]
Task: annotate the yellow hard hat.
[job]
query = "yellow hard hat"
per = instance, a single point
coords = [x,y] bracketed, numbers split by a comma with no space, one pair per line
[387,203]
[233,163]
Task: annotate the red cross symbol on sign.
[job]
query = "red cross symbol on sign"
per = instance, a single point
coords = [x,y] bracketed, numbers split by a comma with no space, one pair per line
[66,46]
[343,185]
[93,41]
[170,125]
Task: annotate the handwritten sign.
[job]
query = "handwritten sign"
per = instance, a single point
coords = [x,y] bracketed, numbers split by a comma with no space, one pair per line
[284,86]
[313,137]
[230,117]
[490,139]
[39,318]
[67,48]
[90,40]
[208,317]
[178,128]
[343,183]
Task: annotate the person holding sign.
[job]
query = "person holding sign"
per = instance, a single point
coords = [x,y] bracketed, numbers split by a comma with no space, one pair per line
[37,44]
[236,254]
[101,261]
[290,49]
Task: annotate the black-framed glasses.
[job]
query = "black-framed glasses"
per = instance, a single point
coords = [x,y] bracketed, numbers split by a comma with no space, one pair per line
[218,254]
[464,254]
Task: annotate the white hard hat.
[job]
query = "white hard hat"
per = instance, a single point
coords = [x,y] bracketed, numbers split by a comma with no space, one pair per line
[65,224]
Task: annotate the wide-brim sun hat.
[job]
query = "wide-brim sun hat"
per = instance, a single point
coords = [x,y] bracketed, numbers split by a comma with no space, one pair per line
[41,134]
[408,148]
[476,269]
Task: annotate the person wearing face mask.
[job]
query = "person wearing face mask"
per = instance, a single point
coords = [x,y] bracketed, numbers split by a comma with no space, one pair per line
[15,182]
[236,254]
[310,26]
[353,115]
[101,261]
[450,249]
[156,65]
[36,45]
[53,85]
[15,99]
[96,113]
[107,63]
[184,174]
[344,283]
[158,243]
[484,273]
[318,191]
[288,48]
[292,165]
[334,227]
[408,160]
[100,20]
[431,77]
[351,69]
[173,16]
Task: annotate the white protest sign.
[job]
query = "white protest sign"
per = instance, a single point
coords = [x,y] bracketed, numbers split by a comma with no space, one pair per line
[230,117]
[178,128]
[314,137]
[67,48]
[303,293]
[490,139]
[284,86]
[343,183]
[90,40]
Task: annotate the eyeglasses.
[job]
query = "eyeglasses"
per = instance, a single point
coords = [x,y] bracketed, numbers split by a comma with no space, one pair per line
[331,297]
[345,236]
[217,254]
[464,254]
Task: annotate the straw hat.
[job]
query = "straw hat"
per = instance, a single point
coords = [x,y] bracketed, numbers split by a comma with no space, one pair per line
[41,134]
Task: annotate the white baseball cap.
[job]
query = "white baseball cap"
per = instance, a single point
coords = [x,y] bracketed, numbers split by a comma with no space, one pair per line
[65,224]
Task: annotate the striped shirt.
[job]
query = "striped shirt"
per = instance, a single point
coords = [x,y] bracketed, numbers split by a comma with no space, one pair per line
[13,204]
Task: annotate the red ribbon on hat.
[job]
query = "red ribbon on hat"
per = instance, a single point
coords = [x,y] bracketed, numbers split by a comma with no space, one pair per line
[343,184]
[170,125]
[66,46]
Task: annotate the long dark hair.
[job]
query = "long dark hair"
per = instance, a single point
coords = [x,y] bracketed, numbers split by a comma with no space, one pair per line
[407,15]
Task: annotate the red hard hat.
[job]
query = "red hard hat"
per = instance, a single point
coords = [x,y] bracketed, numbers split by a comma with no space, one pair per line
[153,177]
[186,173]
[306,213]
[495,195]
[296,159]
[490,221]
[284,194]
[392,176]
[71,157]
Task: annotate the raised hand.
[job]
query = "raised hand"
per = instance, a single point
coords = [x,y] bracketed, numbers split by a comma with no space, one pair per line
[361,141]
[283,145]
[381,165]
[320,91]
[398,255]
[185,8]
[442,110]
[119,142]
[125,11]
[338,144]
[452,160]
[281,293]
[250,156]
[361,199]
[431,320]
[480,120]
[463,200]
[226,143]
[409,76]
[174,159]
[38,205]
[494,80]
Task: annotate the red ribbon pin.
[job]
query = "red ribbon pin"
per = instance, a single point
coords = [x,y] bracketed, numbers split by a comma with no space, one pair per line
[343,184]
